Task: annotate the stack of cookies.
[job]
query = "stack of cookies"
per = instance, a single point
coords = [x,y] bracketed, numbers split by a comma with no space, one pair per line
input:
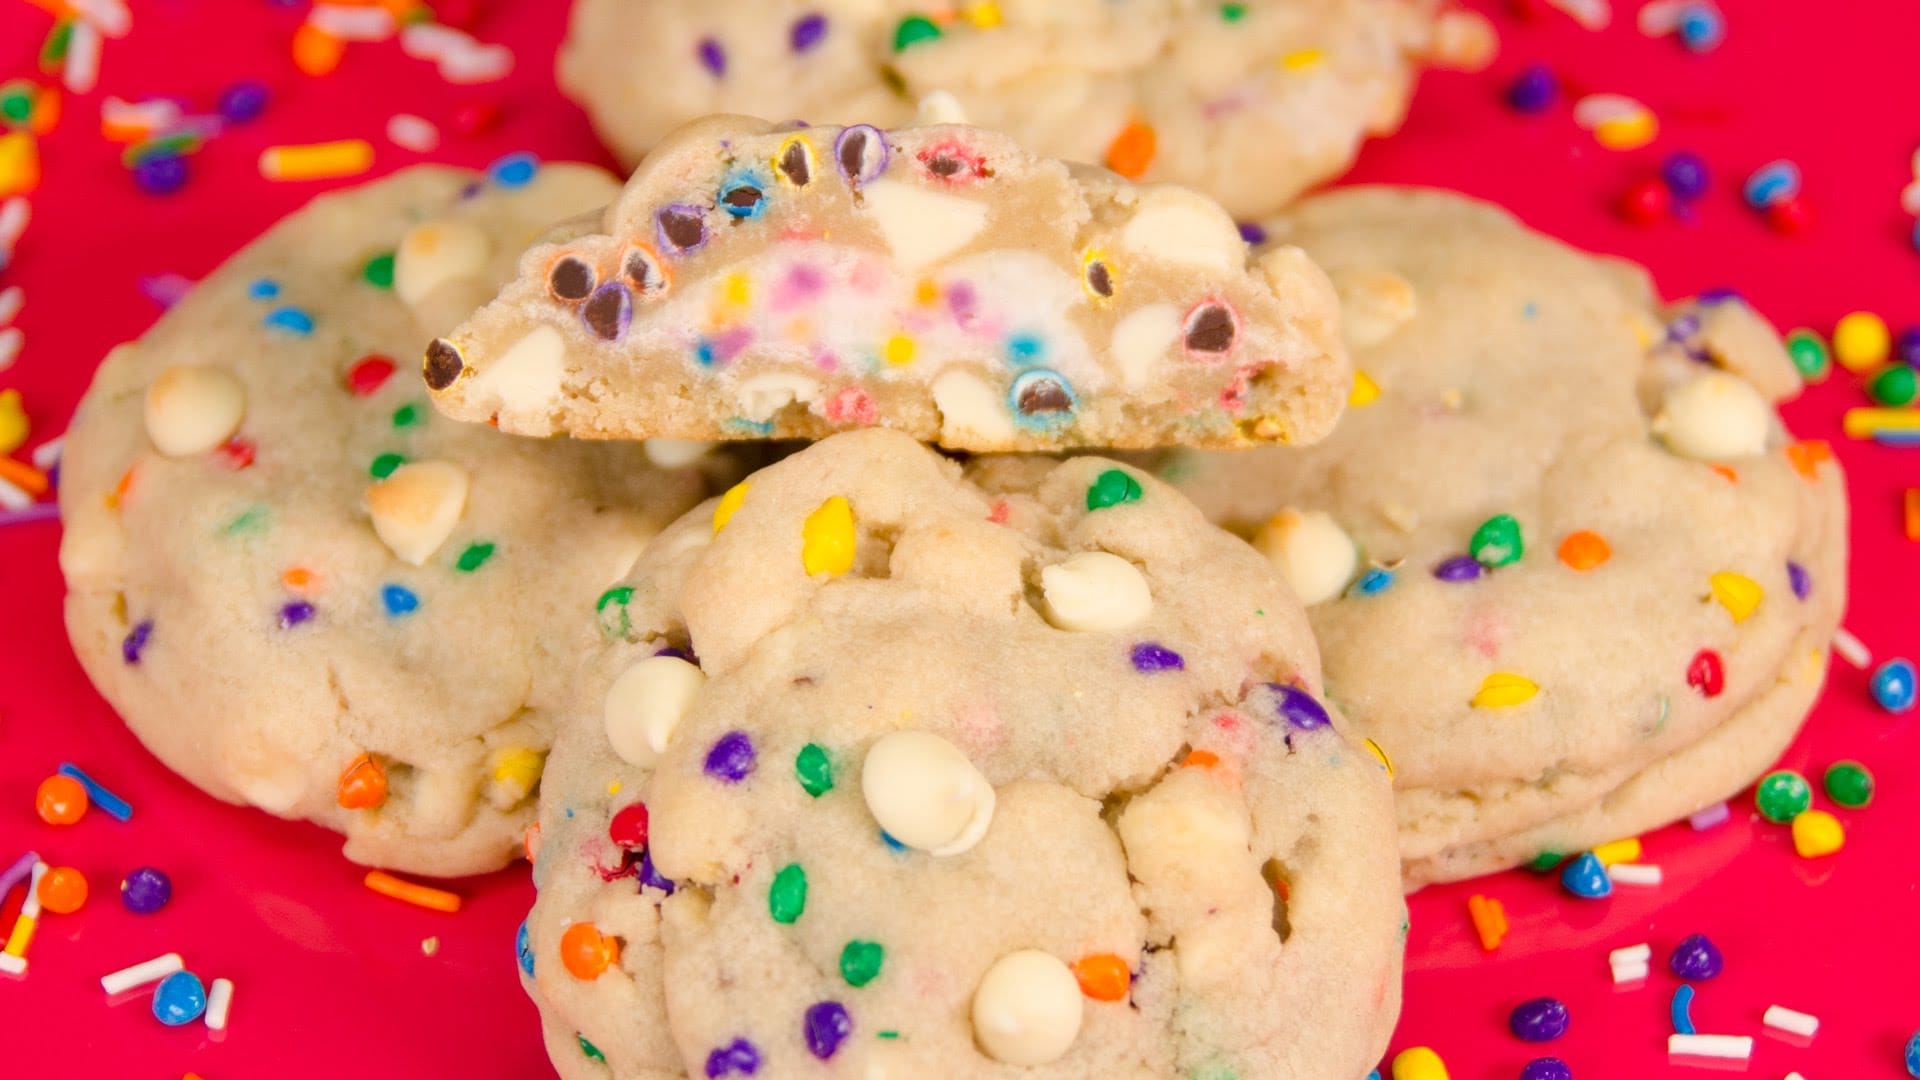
[743,547]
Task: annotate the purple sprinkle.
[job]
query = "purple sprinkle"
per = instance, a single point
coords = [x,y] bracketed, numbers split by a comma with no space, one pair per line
[1252,232]
[1718,295]
[737,1057]
[136,641]
[294,614]
[828,1025]
[1797,577]
[1458,568]
[1541,1019]
[651,877]
[1713,815]
[732,758]
[1907,346]
[679,653]
[713,57]
[1684,327]
[164,289]
[26,515]
[1696,958]
[963,303]
[1150,656]
[1298,708]
[1546,1069]
[807,31]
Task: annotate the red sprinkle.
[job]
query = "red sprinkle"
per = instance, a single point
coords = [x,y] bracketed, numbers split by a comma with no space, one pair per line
[369,375]
[237,454]
[1790,215]
[476,118]
[1646,202]
[629,827]
[1706,673]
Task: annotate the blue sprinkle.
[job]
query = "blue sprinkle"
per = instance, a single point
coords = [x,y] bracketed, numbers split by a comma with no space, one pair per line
[1585,878]
[1913,1055]
[112,805]
[263,289]
[1701,28]
[1893,685]
[1776,181]
[761,428]
[703,352]
[1375,580]
[514,170]
[179,999]
[523,949]
[1024,349]
[1682,1010]
[892,844]
[399,599]
[1531,311]
[291,319]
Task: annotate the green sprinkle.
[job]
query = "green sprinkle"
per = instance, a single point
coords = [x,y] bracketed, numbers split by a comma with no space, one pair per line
[788,896]
[1810,355]
[1848,784]
[860,961]
[474,557]
[1896,386]
[384,465]
[379,271]
[1233,12]
[614,623]
[16,101]
[1497,542]
[53,51]
[1111,488]
[912,30]
[1781,796]
[1545,861]
[593,1052]
[252,519]
[889,1034]
[406,416]
[814,769]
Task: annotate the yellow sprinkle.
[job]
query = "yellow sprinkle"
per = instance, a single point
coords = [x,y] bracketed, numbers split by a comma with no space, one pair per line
[21,937]
[1862,423]
[728,505]
[1504,688]
[1365,391]
[926,293]
[1817,833]
[899,350]
[1385,762]
[518,768]
[1618,851]
[1739,594]
[614,788]
[13,422]
[1302,59]
[1419,1063]
[1627,132]
[317,161]
[827,538]
[737,289]
[1861,341]
[985,14]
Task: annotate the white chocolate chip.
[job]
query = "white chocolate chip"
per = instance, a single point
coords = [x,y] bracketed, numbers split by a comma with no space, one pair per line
[1714,417]
[415,509]
[435,253]
[1141,339]
[940,107]
[922,226]
[676,453]
[1027,1009]
[1373,304]
[1174,224]
[1095,590]
[193,408]
[925,793]
[1313,553]
[762,396]
[525,379]
[646,703]
[968,406]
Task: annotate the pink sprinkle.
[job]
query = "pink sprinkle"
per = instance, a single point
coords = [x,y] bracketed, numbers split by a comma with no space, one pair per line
[802,284]
[1711,816]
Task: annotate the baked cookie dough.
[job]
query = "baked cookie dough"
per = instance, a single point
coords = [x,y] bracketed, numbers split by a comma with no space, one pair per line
[1248,102]
[303,589]
[906,771]
[1565,565]
[755,282]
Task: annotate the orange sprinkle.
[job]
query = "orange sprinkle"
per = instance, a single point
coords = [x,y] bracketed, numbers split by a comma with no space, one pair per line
[1585,550]
[1103,977]
[300,578]
[1726,473]
[63,890]
[1201,759]
[1489,920]
[1913,514]
[531,841]
[419,895]
[1131,152]
[120,490]
[1807,454]
[315,51]
[363,784]
[23,476]
[587,952]
[46,111]
[60,800]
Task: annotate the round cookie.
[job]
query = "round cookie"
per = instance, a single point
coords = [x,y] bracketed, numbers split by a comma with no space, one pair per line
[1572,513]
[305,590]
[1016,771]
[1249,102]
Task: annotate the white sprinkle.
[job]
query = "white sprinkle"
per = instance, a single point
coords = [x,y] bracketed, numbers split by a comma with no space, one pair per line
[154,115]
[110,17]
[14,497]
[1634,873]
[1630,972]
[1795,1076]
[1910,198]
[1590,14]
[219,1000]
[1660,18]
[476,63]
[1852,649]
[352,23]
[12,299]
[10,964]
[142,973]
[429,946]
[415,133]
[1794,1023]
[83,58]
[1701,820]
[1730,1047]
[30,909]
[1596,109]
[431,41]
[14,214]
[12,340]
[47,454]
[1640,953]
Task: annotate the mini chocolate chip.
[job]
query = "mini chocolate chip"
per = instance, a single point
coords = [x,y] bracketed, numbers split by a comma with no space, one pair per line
[609,311]
[681,227]
[570,279]
[862,153]
[796,163]
[1044,395]
[643,271]
[1210,330]
[443,364]
[742,200]
[1099,278]
[942,165]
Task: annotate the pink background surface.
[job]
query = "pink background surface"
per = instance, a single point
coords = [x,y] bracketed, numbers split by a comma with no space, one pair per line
[331,978]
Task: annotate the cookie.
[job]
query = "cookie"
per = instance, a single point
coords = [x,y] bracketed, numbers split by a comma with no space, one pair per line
[1564,562]
[303,589]
[755,282]
[909,771]
[1249,102]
